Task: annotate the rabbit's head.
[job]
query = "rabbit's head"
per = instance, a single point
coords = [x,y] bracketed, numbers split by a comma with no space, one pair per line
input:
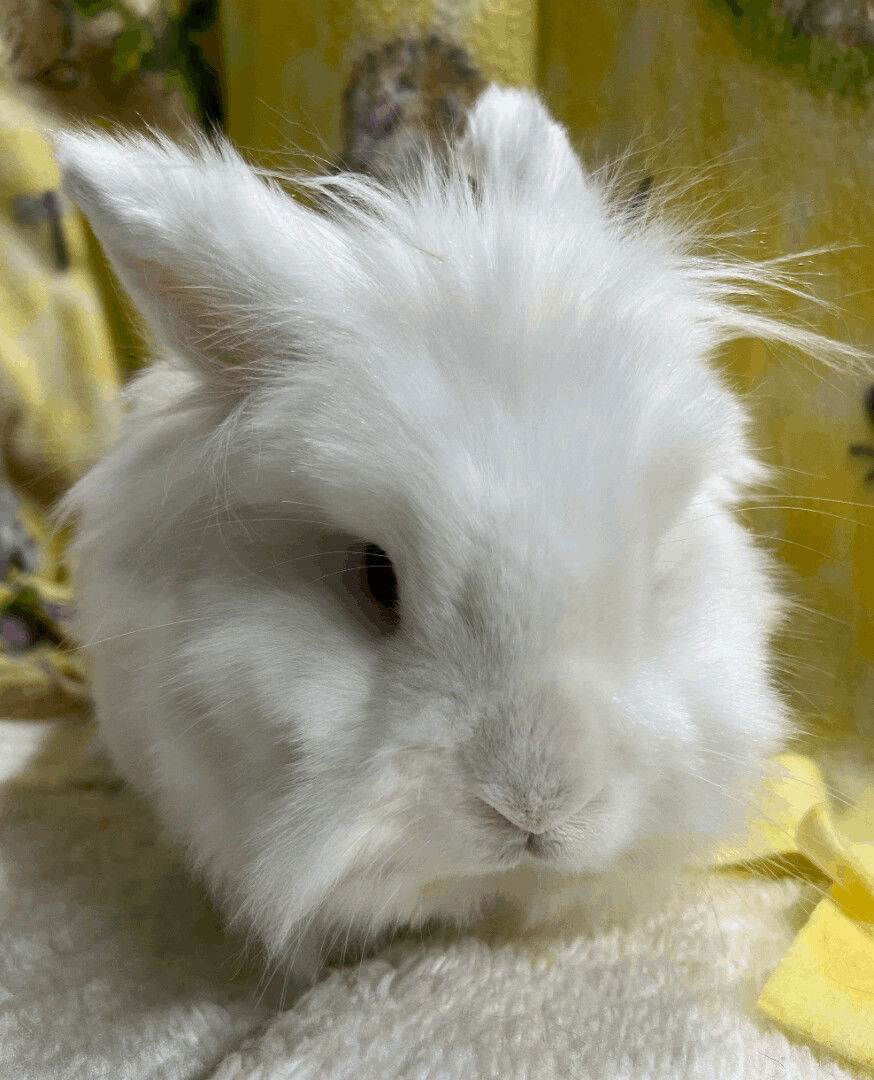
[479,570]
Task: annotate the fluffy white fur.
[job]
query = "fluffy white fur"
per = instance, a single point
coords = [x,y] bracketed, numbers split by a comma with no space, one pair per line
[508,387]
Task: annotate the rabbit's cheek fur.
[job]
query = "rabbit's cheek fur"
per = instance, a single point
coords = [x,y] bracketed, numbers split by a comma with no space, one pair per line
[506,391]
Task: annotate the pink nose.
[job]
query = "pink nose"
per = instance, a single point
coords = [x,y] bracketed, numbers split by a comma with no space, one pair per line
[535,818]
[524,823]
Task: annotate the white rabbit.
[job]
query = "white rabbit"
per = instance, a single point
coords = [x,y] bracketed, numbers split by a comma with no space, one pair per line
[415,578]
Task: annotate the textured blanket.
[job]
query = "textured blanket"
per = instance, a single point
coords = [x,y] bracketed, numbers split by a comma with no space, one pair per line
[114,967]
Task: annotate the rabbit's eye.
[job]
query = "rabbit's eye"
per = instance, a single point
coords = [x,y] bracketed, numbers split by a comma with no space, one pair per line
[379,578]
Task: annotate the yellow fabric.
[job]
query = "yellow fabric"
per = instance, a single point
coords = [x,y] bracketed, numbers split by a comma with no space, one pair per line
[824,987]
[58,375]
[66,339]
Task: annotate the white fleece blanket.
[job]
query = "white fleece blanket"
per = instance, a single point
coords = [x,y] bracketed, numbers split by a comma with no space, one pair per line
[113,967]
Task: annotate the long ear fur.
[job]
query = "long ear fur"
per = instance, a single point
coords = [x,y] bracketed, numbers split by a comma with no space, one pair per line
[212,255]
[512,139]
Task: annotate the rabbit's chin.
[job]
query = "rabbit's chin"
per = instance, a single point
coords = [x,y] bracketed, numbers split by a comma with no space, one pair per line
[528,899]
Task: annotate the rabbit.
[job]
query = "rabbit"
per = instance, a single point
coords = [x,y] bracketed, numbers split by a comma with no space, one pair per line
[416,578]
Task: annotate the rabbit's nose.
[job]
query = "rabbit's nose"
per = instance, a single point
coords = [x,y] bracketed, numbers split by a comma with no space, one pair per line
[534,844]
[529,817]
[531,838]
[507,817]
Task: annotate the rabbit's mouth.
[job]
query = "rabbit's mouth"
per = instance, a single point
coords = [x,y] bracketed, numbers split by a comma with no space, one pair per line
[566,846]
[579,847]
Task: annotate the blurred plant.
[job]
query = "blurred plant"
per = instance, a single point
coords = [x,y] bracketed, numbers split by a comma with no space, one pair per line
[851,22]
[133,42]
[166,44]
[829,43]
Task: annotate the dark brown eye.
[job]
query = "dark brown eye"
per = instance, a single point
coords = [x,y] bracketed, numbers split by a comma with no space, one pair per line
[379,578]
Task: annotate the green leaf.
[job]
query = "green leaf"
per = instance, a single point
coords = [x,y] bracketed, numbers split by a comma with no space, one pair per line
[131,46]
[88,8]
[823,63]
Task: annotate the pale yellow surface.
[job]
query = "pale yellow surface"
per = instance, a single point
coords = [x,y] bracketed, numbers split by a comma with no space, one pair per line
[824,987]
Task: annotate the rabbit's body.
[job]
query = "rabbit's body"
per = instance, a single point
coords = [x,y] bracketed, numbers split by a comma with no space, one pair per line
[507,388]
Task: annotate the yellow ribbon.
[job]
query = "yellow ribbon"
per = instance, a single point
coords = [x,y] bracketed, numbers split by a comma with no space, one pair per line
[823,989]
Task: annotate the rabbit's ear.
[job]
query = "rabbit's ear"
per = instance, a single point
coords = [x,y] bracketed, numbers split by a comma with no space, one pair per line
[216,259]
[513,143]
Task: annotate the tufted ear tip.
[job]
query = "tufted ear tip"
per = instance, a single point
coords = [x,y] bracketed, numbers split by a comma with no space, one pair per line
[78,152]
[513,142]
[193,234]
[98,169]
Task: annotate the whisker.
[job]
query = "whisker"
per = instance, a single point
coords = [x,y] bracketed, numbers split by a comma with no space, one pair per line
[822,498]
[804,547]
[831,791]
[141,630]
